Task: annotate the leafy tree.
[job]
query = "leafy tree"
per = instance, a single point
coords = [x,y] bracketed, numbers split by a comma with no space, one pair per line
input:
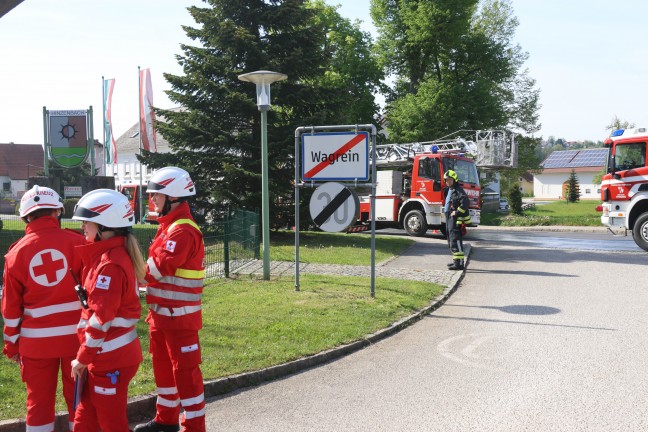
[216,135]
[573,188]
[617,123]
[455,67]
[515,199]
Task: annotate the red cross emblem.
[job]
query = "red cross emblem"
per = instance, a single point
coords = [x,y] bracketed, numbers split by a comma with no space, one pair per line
[48,267]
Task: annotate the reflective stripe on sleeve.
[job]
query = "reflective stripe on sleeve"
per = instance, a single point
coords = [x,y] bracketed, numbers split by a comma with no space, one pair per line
[153,270]
[90,342]
[11,339]
[12,322]
[119,342]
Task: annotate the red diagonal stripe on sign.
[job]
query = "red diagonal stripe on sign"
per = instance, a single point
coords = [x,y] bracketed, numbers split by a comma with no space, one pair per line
[346,147]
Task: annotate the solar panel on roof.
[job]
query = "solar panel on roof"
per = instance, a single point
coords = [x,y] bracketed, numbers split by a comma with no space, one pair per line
[576,158]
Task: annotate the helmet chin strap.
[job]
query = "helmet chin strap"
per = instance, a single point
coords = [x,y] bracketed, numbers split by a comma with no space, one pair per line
[166,208]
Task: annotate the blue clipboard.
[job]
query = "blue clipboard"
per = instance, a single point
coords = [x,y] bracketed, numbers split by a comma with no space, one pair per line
[79,382]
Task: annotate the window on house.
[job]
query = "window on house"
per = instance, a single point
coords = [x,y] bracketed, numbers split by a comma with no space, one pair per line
[587,191]
[6,186]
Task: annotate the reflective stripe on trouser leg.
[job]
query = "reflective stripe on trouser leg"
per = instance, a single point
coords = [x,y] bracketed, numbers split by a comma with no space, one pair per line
[192,396]
[167,406]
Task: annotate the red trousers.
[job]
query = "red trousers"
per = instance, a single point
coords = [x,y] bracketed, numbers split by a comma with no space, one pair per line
[40,377]
[176,366]
[103,402]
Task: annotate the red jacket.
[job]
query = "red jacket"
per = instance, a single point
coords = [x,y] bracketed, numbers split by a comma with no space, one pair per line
[107,328]
[39,305]
[176,272]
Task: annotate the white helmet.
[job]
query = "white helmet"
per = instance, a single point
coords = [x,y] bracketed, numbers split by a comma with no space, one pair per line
[172,181]
[105,207]
[38,198]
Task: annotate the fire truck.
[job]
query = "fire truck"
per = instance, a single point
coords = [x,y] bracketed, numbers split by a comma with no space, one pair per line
[131,191]
[410,178]
[624,187]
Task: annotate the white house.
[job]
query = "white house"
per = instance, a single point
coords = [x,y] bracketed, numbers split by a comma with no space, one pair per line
[127,168]
[558,166]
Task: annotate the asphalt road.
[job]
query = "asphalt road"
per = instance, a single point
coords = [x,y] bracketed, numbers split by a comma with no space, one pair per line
[538,337]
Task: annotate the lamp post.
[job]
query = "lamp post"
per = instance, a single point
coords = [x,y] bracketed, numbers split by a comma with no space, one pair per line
[262,79]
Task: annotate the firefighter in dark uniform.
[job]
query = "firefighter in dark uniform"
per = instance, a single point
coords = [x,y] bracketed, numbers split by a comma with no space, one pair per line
[457,216]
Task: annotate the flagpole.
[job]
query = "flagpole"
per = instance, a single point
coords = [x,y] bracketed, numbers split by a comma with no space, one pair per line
[139,80]
[103,97]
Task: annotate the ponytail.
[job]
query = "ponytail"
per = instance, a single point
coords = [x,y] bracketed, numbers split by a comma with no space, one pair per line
[133,249]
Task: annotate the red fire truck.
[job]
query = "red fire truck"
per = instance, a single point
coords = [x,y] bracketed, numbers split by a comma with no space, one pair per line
[410,183]
[131,191]
[624,187]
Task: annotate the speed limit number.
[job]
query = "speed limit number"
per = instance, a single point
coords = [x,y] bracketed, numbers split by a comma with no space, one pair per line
[334,207]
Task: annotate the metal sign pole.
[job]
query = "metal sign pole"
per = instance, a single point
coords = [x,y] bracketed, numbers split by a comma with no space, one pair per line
[373,212]
[297,156]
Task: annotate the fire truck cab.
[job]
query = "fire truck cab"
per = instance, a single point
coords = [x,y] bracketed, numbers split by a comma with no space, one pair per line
[624,187]
[413,198]
[131,191]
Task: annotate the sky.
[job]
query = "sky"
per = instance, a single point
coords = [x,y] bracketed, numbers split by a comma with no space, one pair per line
[589,59]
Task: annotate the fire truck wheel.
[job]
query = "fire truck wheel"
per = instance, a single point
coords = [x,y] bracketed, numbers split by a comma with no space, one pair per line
[640,231]
[415,223]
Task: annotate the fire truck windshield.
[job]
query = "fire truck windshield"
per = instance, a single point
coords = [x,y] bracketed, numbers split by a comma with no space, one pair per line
[629,156]
[466,170]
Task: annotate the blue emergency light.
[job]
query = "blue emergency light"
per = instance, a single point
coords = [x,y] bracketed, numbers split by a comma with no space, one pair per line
[618,132]
[434,149]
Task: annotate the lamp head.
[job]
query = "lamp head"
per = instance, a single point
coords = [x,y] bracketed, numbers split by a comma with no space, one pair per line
[263,79]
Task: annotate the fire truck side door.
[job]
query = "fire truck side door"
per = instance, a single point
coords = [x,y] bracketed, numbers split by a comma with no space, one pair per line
[428,178]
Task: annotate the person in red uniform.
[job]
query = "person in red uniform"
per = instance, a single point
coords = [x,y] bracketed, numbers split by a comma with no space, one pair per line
[110,351]
[175,274]
[39,306]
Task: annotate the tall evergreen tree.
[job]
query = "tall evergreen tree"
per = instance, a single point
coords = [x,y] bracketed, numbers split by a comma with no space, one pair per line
[216,134]
[573,188]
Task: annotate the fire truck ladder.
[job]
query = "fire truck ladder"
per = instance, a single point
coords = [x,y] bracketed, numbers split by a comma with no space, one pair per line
[489,149]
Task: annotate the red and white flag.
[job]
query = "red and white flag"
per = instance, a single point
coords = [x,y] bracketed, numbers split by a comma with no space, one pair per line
[109,138]
[147,116]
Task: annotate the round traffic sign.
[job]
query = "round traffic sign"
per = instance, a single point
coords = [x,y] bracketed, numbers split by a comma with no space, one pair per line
[334,207]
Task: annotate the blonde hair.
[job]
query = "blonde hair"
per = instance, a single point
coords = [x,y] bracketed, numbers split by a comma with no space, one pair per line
[133,249]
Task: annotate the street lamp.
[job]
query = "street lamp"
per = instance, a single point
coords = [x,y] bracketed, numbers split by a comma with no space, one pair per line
[263,79]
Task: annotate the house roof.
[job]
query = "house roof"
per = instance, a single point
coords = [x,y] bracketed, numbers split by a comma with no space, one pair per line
[576,158]
[19,161]
[129,142]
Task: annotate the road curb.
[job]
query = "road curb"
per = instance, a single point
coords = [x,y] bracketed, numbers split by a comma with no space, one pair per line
[142,408]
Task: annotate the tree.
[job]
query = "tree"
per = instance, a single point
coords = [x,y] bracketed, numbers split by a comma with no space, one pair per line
[455,67]
[216,133]
[573,188]
[515,199]
[617,123]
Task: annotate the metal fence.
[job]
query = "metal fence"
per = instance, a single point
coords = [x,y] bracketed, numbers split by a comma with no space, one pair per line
[229,243]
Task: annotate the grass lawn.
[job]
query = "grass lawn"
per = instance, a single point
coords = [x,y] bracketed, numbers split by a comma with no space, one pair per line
[251,324]
[581,213]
